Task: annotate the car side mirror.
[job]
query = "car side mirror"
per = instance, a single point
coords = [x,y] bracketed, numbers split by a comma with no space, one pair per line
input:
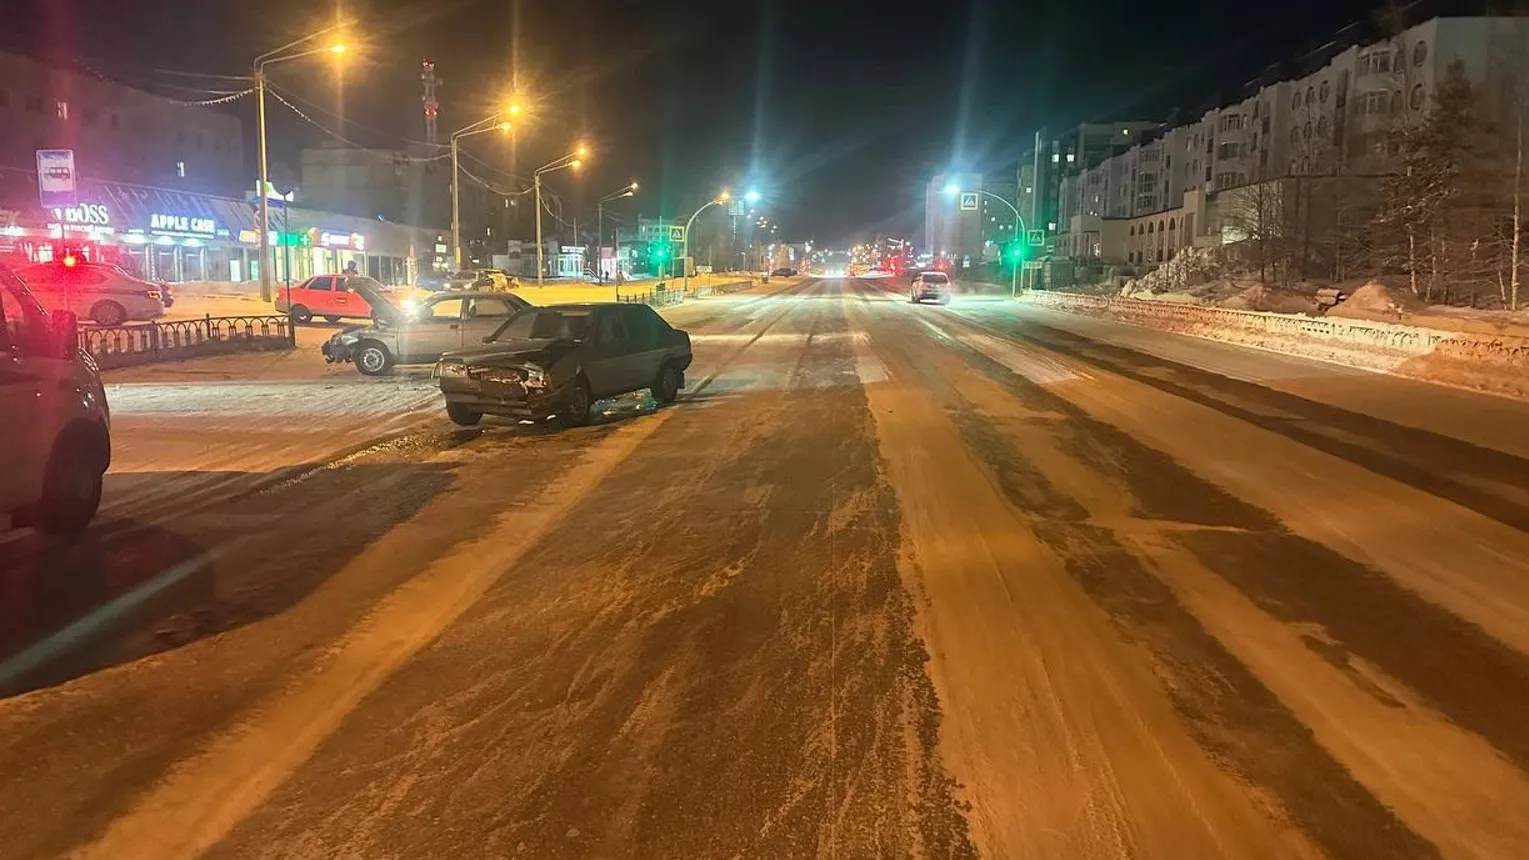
[65,330]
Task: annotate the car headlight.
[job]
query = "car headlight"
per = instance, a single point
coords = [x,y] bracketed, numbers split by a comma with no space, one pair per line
[450,368]
[536,377]
[347,338]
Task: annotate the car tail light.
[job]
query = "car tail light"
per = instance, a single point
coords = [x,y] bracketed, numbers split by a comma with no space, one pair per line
[153,294]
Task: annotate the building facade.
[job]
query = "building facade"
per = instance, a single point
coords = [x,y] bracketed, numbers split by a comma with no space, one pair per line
[1327,116]
[116,131]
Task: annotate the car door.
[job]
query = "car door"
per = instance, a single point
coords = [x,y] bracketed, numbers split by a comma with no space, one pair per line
[605,361]
[645,345]
[344,302]
[484,314]
[435,328]
[312,294]
[23,434]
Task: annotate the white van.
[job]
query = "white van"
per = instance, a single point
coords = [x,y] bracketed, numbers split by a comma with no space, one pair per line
[55,436]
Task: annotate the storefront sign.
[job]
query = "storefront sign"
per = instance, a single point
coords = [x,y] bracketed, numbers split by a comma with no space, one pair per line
[83,215]
[440,248]
[354,241]
[55,178]
[160,222]
[295,240]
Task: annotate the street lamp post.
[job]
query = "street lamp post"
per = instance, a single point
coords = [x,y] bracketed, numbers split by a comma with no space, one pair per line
[489,123]
[280,55]
[626,191]
[1019,229]
[685,253]
[572,159]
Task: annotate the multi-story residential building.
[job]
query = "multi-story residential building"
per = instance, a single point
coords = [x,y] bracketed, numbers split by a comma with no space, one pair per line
[1325,116]
[117,132]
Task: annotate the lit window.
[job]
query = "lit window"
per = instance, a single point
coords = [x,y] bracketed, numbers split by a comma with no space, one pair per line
[62,109]
[180,169]
[1071,158]
[1056,157]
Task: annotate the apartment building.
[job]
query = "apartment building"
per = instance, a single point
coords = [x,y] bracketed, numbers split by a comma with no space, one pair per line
[1325,115]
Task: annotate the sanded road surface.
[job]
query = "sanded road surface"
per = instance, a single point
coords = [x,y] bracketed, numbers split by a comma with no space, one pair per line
[889,581]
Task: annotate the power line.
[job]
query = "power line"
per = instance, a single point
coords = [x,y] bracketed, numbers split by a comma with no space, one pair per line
[345,140]
[345,119]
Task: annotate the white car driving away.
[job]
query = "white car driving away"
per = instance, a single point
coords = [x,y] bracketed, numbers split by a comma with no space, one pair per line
[931,285]
[105,295]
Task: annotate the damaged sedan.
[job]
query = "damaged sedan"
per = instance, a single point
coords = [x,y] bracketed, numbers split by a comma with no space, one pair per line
[419,333]
[559,360]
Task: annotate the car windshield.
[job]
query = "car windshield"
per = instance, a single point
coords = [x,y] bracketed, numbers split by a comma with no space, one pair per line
[546,324]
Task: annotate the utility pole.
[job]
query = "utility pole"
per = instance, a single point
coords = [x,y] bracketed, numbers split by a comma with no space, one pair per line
[539,266]
[265,204]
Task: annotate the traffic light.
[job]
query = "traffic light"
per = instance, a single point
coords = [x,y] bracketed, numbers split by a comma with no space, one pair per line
[660,252]
[1017,251]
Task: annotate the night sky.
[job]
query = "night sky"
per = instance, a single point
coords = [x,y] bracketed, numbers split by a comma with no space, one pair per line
[836,111]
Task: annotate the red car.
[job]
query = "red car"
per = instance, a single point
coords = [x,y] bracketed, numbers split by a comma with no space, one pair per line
[327,296]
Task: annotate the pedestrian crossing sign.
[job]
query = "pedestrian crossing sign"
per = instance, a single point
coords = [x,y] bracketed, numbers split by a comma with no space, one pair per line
[969,201]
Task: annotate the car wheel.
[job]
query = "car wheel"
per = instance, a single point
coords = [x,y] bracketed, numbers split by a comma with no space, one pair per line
[667,386]
[108,313]
[300,314]
[461,413]
[71,486]
[576,404]
[372,358]
[331,319]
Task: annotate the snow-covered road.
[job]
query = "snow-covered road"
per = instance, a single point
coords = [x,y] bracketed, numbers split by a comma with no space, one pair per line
[890,581]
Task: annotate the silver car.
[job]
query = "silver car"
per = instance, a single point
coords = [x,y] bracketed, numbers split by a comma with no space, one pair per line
[419,333]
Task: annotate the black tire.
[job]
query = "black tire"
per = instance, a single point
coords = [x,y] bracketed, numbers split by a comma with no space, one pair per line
[108,313]
[331,319]
[300,314]
[667,386]
[461,413]
[577,405]
[71,485]
[372,358]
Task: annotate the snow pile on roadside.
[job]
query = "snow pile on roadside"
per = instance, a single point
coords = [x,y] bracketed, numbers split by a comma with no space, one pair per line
[1385,303]
[1189,267]
[1377,298]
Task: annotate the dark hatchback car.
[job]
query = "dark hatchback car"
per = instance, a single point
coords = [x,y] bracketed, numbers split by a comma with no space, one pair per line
[560,360]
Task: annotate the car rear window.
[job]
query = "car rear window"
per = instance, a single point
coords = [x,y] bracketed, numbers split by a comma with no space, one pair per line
[935,278]
[546,324]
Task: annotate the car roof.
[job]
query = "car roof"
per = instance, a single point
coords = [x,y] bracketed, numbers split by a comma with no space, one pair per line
[476,294]
[589,306]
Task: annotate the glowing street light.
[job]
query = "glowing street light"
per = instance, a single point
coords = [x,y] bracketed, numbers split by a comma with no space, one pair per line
[752,196]
[719,200]
[572,160]
[1019,230]
[625,191]
[280,55]
[492,122]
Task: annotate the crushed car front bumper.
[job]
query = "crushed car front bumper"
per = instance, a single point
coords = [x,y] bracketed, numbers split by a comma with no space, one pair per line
[502,396]
[335,351]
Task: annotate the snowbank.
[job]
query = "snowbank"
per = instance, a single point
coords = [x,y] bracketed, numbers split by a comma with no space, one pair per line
[1494,362]
[1378,301]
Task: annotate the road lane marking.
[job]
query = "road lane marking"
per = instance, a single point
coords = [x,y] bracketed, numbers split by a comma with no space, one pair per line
[1400,749]
[1093,761]
[204,797]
